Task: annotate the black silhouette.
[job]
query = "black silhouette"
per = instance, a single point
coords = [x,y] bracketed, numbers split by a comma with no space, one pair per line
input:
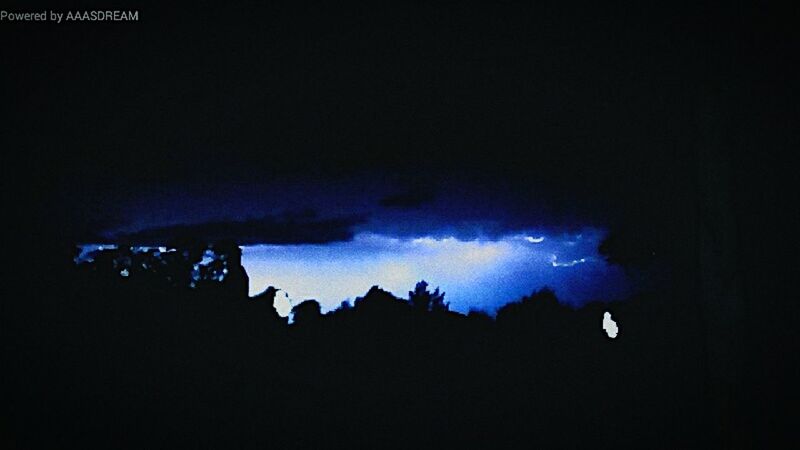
[176,346]
[425,300]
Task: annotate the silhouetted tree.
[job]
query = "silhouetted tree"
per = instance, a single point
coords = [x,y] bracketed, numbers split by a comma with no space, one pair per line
[409,369]
[344,306]
[421,298]
[378,300]
[266,302]
[539,313]
[184,264]
[479,316]
[307,312]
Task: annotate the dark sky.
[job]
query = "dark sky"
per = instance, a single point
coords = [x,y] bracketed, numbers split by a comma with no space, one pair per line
[483,118]
[672,127]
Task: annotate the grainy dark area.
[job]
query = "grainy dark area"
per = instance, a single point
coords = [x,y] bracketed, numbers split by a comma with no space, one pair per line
[298,123]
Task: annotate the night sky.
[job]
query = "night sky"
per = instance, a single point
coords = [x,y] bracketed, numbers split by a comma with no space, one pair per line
[638,154]
[308,127]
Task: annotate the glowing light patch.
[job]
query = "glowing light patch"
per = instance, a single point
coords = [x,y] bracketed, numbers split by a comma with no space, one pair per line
[610,326]
[87,249]
[567,264]
[282,305]
[208,258]
[476,274]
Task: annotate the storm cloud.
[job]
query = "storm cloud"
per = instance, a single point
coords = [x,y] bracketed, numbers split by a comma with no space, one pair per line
[273,230]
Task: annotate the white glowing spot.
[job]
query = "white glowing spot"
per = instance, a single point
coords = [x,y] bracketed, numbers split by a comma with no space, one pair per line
[555,263]
[534,240]
[124,273]
[282,305]
[609,325]
[208,258]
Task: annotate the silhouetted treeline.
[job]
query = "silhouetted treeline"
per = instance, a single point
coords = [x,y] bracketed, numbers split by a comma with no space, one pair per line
[126,362]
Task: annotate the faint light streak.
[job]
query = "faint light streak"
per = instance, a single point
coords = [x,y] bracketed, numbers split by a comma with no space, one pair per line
[555,263]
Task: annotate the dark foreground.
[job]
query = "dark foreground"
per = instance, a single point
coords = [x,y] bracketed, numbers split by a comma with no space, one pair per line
[94,362]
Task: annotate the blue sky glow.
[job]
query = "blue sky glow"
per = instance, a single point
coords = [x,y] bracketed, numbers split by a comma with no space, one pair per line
[475,274]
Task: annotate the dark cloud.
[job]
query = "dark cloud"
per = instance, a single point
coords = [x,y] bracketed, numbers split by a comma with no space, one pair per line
[540,115]
[291,229]
[409,199]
